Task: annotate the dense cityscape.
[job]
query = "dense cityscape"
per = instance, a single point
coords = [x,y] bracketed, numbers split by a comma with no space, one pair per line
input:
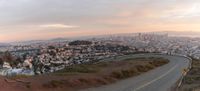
[40,58]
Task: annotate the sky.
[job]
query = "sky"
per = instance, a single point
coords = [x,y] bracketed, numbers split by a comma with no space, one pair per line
[22,20]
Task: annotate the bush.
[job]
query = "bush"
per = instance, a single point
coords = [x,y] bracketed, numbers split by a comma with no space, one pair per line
[53,84]
[79,69]
[117,74]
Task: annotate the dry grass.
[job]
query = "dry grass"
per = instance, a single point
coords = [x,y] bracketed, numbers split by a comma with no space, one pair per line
[191,81]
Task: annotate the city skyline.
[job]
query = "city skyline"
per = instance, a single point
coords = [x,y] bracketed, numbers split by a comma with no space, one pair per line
[36,19]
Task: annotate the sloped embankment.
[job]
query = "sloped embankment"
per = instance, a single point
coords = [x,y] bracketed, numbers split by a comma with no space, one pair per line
[191,82]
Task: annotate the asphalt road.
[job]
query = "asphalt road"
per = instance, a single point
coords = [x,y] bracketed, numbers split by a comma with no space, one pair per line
[159,79]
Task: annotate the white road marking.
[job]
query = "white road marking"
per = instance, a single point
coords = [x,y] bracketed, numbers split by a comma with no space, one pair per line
[148,83]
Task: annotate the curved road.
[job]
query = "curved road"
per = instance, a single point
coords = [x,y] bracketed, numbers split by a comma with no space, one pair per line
[159,79]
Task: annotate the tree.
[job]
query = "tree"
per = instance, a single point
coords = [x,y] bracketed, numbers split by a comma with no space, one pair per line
[7,56]
[1,61]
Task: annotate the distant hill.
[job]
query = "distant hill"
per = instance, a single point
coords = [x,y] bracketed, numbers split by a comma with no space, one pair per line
[39,41]
[80,42]
[182,33]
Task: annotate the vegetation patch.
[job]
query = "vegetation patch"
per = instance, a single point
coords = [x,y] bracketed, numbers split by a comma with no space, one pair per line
[191,81]
[19,77]
[82,68]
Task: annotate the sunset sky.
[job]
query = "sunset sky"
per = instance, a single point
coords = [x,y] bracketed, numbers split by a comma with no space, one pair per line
[43,19]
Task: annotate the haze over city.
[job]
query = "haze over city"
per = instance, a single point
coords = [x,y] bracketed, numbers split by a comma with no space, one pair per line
[44,19]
